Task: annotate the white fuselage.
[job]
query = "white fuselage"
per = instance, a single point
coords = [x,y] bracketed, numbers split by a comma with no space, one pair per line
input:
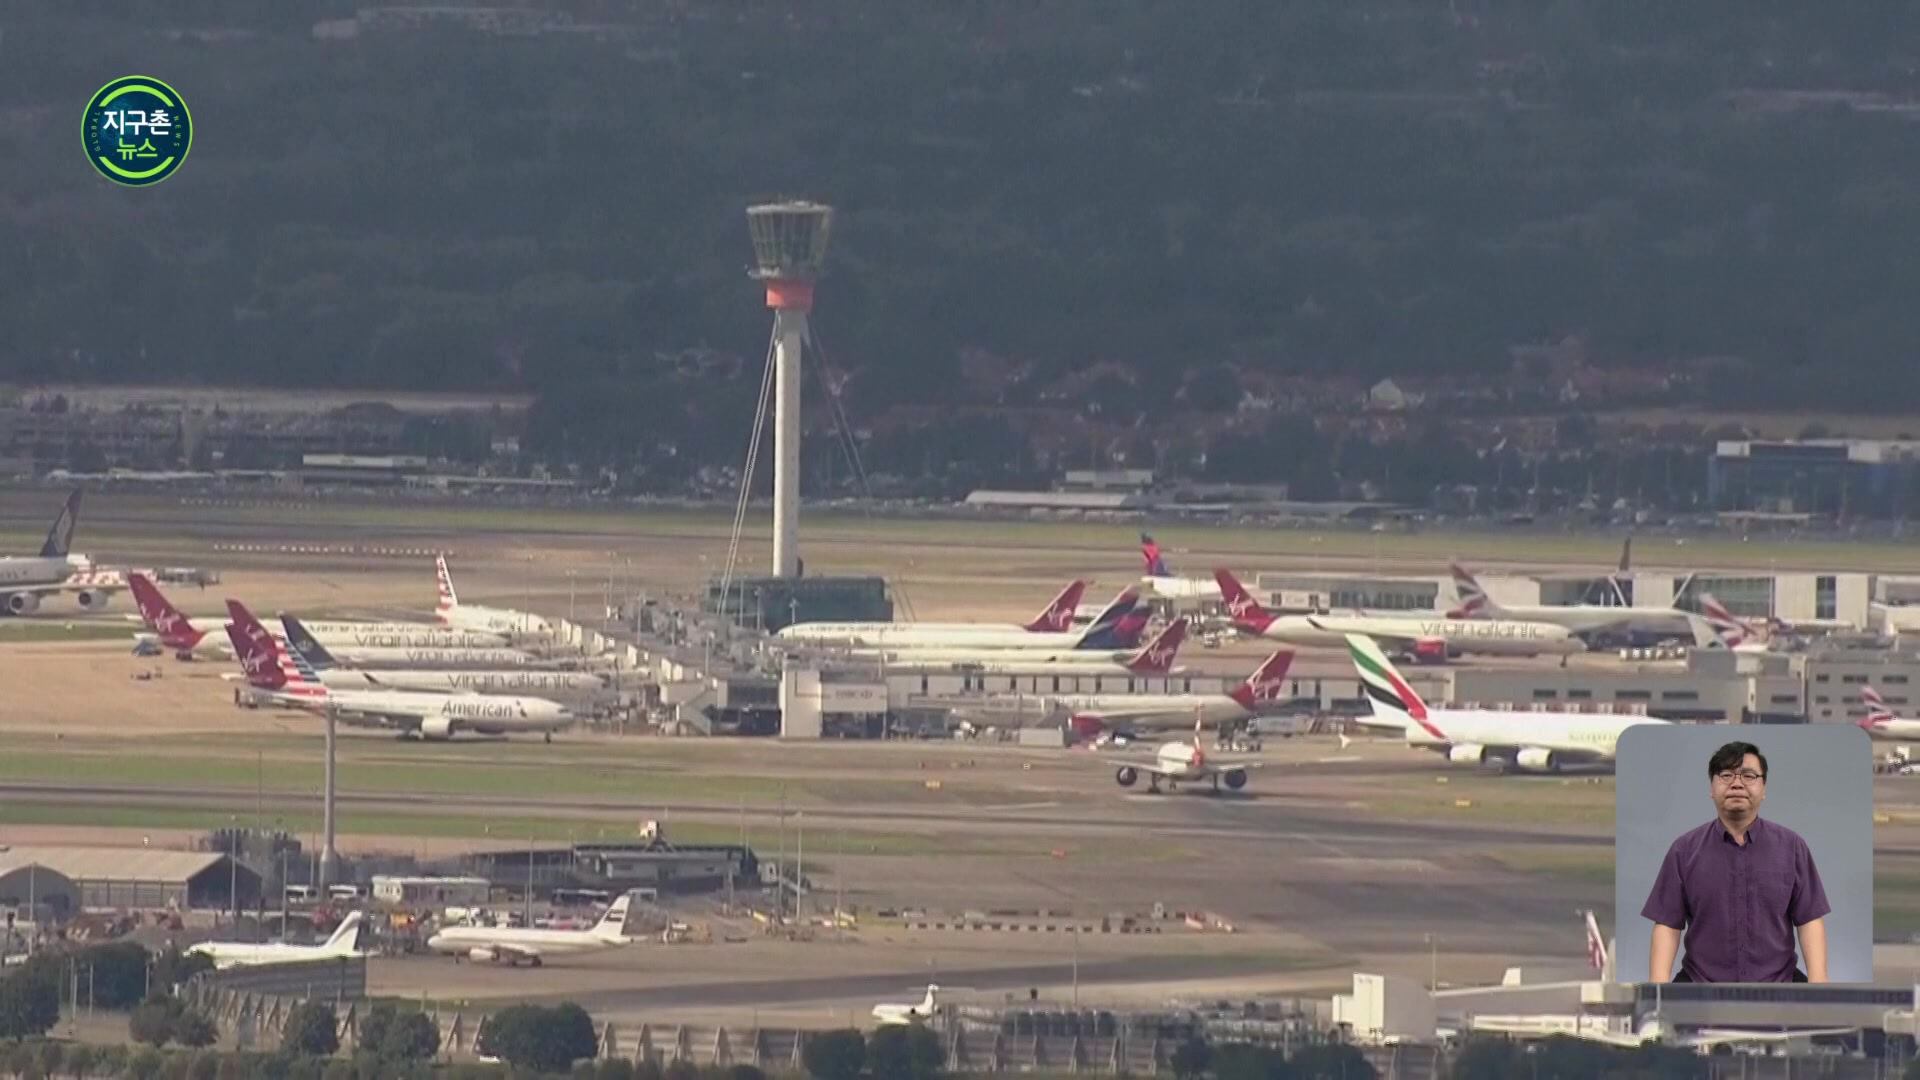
[517,681]
[1486,637]
[464,940]
[427,657]
[910,636]
[1181,761]
[1156,711]
[1180,588]
[30,570]
[1022,666]
[1097,661]
[1588,736]
[515,625]
[400,635]
[226,954]
[1589,618]
[1892,729]
[482,714]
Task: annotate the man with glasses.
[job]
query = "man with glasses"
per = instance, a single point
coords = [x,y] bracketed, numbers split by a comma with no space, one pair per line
[1740,888]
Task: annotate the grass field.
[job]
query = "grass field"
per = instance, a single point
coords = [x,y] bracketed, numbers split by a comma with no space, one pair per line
[25,631]
[123,519]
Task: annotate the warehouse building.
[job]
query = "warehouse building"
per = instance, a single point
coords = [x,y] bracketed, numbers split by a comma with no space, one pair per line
[146,879]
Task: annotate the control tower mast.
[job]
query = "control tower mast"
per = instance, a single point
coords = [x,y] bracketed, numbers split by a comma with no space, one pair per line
[789,246]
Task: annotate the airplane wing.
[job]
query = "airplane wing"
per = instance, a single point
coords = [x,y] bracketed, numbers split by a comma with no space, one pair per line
[1725,1038]
[1151,765]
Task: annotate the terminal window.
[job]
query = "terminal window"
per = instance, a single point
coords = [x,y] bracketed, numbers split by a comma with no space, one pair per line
[1545,695]
[1894,679]
[1826,597]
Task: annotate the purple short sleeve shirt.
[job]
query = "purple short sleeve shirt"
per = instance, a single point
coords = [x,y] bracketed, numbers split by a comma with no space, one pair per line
[1738,903]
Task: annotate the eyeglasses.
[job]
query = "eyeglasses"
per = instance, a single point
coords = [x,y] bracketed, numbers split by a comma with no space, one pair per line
[1746,775]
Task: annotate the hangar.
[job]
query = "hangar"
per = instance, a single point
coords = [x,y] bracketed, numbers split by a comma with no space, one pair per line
[143,878]
[26,887]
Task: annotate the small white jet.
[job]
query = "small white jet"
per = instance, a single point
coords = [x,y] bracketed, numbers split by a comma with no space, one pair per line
[907,1014]
[227,954]
[510,945]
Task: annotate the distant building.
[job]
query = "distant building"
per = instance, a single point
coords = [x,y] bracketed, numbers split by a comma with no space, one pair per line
[1837,477]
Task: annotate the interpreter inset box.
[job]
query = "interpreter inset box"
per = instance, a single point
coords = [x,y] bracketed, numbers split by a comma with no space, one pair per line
[1743,853]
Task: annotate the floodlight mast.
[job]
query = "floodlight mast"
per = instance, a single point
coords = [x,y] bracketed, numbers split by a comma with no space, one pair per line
[789,248]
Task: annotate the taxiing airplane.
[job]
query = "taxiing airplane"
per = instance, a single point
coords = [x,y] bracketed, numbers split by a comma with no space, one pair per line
[1152,659]
[1524,740]
[512,945]
[1118,626]
[438,680]
[1056,618]
[1176,763]
[413,714]
[1422,640]
[229,954]
[1092,715]
[887,1015]
[1161,581]
[517,625]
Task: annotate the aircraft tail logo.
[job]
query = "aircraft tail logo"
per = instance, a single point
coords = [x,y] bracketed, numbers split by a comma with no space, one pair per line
[59,541]
[1267,684]
[1118,625]
[1474,601]
[1058,616]
[1157,657]
[444,579]
[1150,554]
[1392,697]
[1878,712]
[1245,611]
[1726,626]
[160,615]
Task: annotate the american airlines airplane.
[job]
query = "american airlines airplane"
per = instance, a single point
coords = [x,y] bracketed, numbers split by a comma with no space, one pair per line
[1164,583]
[1118,626]
[1518,740]
[512,944]
[412,714]
[1092,715]
[517,625]
[1424,640]
[513,681]
[1055,618]
[229,954]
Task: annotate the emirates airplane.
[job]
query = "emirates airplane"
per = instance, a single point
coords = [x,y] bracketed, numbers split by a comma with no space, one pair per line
[1520,740]
[412,714]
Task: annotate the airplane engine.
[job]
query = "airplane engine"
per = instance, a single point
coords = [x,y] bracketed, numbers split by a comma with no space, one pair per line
[482,955]
[1535,759]
[436,727]
[93,599]
[1234,778]
[23,603]
[1430,652]
[1126,775]
[1467,754]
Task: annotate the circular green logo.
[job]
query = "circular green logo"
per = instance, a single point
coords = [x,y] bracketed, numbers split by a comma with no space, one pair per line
[136,131]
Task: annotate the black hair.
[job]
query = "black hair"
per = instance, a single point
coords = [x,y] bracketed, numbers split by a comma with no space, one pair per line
[1730,756]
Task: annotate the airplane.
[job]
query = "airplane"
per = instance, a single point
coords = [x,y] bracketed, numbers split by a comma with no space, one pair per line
[414,714]
[1153,658]
[1092,715]
[1162,582]
[1881,723]
[187,638]
[1729,631]
[491,620]
[512,944]
[1476,603]
[888,1015]
[1176,763]
[1422,640]
[1528,741]
[522,680]
[1118,626]
[27,580]
[229,954]
[1056,618]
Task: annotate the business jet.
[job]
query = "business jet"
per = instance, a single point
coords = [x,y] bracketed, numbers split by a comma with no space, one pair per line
[1422,640]
[1176,763]
[889,1015]
[228,954]
[1519,740]
[516,625]
[513,945]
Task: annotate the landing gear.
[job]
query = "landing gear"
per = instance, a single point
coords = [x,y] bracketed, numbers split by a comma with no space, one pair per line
[549,738]
[535,961]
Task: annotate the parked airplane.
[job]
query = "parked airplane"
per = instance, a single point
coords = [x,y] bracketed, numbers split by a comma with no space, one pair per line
[1164,583]
[1151,659]
[511,945]
[1728,630]
[1118,626]
[1475,603]
[518,625]
[516,681]
[27,580]
[1092,715]
[413,714]
[1881,723]
[229,954]
[187,638]
[1176,763]
[1423,640]
[1056,618]
[1530,741]
[908,1014]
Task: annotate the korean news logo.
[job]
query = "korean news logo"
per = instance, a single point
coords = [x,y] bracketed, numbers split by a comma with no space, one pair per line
[137,131]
